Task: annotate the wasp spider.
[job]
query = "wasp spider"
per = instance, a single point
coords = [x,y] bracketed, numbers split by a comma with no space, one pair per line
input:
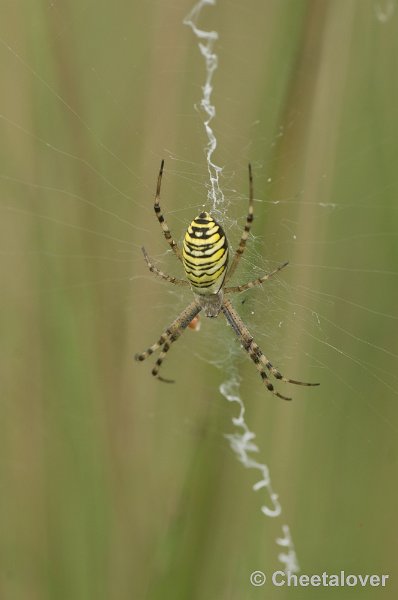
[204,257]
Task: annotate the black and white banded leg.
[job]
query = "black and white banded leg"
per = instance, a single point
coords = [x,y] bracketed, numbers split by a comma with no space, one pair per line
[251,284]
[160,273]
[254,351]
[159,361]
[246,231]
[170,335]
[158,211]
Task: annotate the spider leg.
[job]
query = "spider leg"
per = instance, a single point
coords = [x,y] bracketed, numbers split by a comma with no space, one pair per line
[162,340]
[170,335]
[160,273]
[158,364]
[246,231]
[161,219]
[254,351]
[255,282]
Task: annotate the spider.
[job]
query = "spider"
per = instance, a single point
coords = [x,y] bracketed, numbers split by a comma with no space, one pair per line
[204,257]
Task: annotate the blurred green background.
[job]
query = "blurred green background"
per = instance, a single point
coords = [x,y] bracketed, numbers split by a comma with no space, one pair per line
[114,485]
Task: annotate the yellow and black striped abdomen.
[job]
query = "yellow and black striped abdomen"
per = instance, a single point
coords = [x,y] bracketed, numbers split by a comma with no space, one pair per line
[205,254]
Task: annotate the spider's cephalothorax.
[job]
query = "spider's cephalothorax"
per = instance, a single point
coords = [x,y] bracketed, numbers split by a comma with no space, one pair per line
[205,259]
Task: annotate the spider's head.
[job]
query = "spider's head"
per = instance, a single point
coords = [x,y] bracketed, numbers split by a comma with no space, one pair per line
[205,255]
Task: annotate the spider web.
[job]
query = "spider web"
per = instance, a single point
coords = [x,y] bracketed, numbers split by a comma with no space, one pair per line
[241,441]
[82,145]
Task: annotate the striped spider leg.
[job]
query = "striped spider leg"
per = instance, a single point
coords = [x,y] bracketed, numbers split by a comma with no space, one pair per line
[249,220]
[170,335]
[255,352]
[159,215]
